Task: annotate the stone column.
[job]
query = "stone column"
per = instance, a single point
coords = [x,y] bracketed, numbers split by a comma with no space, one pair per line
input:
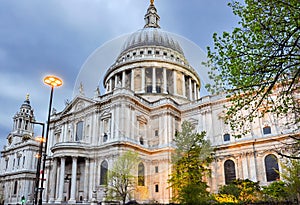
[110,85]
[123,79]
[116,81]
[117,121]
[86,180]
[73,180]
[190,88]
[126,123]
[195,91]
[175,81]
[91,177]
[153,80]
[132,80]
[61,180]
[53,179]
[143,80]
[183,85]
[165,80]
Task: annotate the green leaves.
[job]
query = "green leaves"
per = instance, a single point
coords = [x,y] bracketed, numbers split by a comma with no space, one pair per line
[190,160]
[121,181]
[257,60]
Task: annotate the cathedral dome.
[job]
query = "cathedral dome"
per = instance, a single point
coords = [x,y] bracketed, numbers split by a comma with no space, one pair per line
[149,37]
[152,64]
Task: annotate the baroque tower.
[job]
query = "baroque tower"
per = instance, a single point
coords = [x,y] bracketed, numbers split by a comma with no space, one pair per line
[18,158]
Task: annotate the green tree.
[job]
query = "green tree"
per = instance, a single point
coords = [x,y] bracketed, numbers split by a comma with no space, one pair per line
[244,190]
[291,176]
[257,64]
[190,160]
[121,181]
[276,191]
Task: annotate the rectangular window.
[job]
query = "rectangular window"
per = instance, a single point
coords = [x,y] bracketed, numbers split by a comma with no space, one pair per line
[156,133]
[79,131]
[156,169]
[226,137]
[16,187]
[267,130]
[156,188]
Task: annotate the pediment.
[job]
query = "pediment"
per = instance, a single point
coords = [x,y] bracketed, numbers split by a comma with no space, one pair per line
[142,119]
[77,104]
[193,121]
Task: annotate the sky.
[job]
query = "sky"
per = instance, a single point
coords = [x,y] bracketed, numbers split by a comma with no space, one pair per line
[38,38]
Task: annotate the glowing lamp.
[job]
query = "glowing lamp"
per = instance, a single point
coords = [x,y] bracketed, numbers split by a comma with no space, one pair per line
[53,81]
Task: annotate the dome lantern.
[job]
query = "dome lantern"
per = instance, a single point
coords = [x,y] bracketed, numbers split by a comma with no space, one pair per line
[151,17]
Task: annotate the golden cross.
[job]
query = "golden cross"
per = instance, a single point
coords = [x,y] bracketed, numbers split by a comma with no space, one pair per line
[151,2]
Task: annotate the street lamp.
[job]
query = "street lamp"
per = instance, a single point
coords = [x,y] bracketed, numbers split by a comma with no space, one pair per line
[52,81]
[38,167]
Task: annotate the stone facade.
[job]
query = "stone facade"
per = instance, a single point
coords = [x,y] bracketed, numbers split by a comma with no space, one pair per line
[149,91]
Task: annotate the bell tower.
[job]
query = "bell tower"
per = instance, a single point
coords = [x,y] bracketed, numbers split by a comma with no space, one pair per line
[22,127]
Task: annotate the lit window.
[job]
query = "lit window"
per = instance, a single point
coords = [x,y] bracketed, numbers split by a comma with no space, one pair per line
[141,174]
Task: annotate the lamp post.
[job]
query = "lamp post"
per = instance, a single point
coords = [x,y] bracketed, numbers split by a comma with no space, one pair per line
[38,167]
[52,81]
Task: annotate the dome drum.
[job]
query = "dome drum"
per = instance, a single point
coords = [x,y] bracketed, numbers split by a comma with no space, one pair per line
[156,79]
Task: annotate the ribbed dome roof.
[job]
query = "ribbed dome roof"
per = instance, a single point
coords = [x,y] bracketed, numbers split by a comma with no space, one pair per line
[151,37]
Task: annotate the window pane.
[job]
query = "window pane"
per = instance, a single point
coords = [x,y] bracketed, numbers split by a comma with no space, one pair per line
[267,130]
[229,169]
[141,175]
[103,174]
[272,170]
[79,131]
[226,137]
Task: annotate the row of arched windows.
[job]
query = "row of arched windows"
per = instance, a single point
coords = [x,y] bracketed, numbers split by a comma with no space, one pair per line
[104,170]
[271,168]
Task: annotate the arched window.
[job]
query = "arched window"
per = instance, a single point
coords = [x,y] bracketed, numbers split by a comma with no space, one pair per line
[267,130]
[104,137]
[229,171]
[141,174]
[103,174]
[79,131]
[226,137]
[272,169]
